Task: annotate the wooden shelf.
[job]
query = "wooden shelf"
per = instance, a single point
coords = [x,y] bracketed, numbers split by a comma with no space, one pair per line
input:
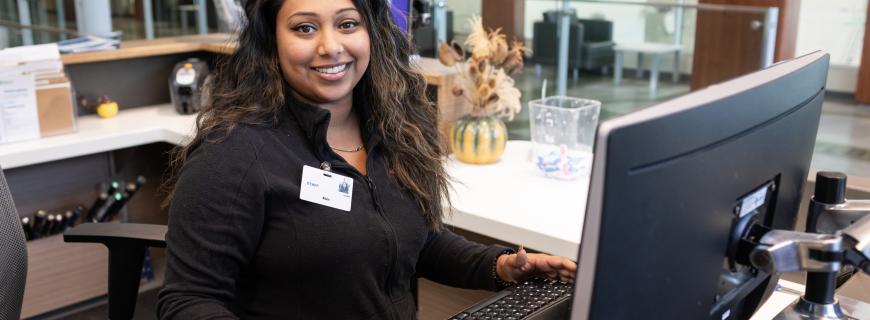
[217,43]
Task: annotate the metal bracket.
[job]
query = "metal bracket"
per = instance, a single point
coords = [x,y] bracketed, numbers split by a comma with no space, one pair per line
[856,239]
[791,251]
[834,217]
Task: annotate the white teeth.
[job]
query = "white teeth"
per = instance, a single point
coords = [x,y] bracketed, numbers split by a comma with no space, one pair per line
[332,70]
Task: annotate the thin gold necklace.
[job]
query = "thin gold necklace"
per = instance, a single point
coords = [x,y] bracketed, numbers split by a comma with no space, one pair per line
[357,149]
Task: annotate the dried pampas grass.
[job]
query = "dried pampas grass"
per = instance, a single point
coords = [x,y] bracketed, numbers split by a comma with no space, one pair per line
[486,81]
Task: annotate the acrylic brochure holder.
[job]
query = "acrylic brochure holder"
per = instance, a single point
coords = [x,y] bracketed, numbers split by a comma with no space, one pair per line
[562,132]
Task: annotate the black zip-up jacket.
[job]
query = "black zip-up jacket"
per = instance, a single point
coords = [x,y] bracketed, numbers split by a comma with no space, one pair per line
[241,244]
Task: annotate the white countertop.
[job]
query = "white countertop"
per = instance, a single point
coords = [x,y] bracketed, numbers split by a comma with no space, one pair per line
[543,214]
[510,200]
[547,216]
[132,127]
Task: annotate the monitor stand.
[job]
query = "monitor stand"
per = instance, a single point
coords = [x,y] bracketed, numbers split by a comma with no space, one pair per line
[843,308]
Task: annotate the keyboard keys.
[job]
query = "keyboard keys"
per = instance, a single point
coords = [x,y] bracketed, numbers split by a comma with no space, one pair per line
[519,301]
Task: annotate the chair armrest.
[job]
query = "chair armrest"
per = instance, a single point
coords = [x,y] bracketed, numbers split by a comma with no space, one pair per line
[123,234]
[127,243]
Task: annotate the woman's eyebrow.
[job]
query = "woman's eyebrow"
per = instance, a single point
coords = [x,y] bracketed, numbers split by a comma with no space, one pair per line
[302,13]
[312,14]
[345,9]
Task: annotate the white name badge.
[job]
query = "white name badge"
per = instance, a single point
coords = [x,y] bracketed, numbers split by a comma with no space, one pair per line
[326,188]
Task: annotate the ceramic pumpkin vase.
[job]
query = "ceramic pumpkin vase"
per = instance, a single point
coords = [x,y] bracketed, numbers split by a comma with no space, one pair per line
[478,139]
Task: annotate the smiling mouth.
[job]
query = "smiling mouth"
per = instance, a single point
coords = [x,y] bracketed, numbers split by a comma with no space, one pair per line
[334,69]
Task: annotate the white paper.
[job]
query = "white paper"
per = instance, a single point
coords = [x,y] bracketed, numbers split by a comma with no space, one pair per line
[38,68]
[9,59]
[37,52]
[19,119]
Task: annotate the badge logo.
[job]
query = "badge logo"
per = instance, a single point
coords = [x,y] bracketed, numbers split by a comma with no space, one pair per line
[344,187]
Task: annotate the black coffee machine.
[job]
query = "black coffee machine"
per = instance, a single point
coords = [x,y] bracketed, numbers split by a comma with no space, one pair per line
[186,85]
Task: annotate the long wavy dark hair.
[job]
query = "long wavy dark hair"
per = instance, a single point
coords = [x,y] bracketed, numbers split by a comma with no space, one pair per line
[247,87]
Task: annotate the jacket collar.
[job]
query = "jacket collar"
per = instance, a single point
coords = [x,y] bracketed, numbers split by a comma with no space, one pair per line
[309,117]
[313,120]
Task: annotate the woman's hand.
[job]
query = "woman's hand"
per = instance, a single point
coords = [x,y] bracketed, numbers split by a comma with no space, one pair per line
[521,265]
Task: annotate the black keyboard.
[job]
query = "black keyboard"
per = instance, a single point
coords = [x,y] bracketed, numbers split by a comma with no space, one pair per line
[536,298]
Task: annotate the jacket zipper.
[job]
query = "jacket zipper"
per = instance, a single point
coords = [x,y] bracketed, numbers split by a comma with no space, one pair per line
[390,229]
[394,247]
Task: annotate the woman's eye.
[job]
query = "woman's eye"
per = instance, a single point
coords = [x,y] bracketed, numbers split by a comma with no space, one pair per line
[348,25]
[304,29]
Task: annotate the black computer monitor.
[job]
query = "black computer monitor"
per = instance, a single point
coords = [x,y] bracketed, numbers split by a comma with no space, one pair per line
[670,182]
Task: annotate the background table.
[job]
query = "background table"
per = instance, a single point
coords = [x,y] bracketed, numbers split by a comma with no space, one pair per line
[654,49]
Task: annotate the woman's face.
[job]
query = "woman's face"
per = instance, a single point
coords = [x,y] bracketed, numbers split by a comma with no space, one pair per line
[323,48]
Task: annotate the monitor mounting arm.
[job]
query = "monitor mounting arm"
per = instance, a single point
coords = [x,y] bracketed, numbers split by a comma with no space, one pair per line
[837,236]
[780,251]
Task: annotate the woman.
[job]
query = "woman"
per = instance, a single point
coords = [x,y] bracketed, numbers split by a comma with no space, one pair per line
[319,93]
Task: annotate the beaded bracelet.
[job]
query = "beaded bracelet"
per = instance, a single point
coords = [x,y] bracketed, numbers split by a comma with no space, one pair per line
[500,284]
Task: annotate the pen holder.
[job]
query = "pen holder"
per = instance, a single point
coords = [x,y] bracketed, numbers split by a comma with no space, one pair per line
[563,132]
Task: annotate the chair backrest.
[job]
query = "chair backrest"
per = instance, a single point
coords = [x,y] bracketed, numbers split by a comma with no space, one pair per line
[545,44]
[597,30]
[13,254]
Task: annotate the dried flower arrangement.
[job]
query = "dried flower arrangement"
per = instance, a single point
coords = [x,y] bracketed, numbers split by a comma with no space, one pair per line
[486,81]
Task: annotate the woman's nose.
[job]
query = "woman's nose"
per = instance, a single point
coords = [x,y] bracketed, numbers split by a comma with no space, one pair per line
[329,44]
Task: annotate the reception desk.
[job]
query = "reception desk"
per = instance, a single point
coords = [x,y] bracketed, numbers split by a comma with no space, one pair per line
[507,201]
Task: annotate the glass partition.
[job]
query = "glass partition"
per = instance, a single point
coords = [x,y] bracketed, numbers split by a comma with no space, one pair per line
[715,43]
[43,21]
[836,26]
[631,54]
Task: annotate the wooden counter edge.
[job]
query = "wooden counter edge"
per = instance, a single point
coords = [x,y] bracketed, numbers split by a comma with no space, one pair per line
[215,43]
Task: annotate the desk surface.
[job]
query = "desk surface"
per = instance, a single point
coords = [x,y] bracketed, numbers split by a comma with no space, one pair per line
[216,42]
[547,217]
[478,195]
[132,127]
[510,200]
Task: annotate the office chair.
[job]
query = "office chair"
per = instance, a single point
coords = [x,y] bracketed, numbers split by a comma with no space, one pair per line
[13,253]
[590,43]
